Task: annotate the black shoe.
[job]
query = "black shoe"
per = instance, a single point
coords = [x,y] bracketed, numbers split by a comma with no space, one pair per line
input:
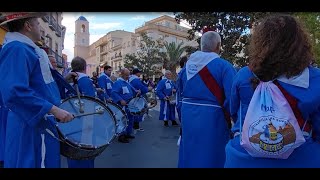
[123,139]
[166,124]
[174,123]
[129,136]
[136,125]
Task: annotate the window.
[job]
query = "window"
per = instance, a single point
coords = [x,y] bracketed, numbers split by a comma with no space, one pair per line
[133,43]
[128,44]
[83,41]
[167,24]
[57,48]
[83,28]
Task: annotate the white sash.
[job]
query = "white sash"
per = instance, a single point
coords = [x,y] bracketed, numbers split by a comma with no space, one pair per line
[197,61]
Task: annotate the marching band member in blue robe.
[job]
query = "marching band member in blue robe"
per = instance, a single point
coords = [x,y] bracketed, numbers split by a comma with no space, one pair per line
[136,83]
[165,89]
[86,87]
[3,124]
[105,82]
[122,93]
[181,78]
[30,93]
[289,64]
[204,129]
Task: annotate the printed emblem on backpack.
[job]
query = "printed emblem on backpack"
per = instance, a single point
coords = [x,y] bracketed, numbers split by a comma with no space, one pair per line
[271,135]
[270,128]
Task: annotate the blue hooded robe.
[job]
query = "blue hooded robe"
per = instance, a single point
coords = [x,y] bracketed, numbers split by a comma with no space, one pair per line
[167,110]
[305,156]
[105,83]
[122,90]
[29,92]
[204,128]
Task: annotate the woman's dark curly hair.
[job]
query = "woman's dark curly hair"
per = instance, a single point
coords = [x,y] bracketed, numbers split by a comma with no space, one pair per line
[279,46]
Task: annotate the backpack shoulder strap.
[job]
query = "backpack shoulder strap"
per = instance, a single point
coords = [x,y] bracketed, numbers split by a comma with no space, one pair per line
[294,106]
[214,88]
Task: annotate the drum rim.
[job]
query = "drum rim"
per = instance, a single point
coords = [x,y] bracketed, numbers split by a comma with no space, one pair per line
[123,112]
[101,103]
[138,114]
[138,97]
[119,107]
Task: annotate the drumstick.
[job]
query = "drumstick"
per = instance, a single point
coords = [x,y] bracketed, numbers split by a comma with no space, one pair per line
[87,114]
[75,81]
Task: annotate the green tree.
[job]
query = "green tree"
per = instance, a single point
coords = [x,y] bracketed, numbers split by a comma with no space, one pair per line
[311,21]
[174,52]
[233,27]
[147,57]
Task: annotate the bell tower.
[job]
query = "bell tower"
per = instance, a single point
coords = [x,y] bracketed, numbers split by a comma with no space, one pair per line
[81,37]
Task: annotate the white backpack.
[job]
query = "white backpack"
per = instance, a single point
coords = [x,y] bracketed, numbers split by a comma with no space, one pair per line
[270,128]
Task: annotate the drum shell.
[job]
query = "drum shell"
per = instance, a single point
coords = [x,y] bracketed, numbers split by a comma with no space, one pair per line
[72,151]
[78,151]
[124,124]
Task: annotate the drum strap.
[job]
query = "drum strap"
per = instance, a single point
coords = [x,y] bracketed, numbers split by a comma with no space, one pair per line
[59,79]
[214,88]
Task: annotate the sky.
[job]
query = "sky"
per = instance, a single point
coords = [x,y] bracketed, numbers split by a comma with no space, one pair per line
[101,23]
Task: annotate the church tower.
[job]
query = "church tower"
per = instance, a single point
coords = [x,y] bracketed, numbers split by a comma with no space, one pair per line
[81,37]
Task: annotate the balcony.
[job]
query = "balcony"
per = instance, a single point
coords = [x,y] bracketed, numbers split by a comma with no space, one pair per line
[58,30]
[116,56]
[45,18]
[53,23]
[60,61]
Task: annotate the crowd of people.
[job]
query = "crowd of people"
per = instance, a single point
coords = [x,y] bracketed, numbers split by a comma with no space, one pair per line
[263,115]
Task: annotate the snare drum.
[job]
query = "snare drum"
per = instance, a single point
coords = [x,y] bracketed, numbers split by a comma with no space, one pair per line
[120,116]
[173,99]
[138,106]
[87,136]
[151,99]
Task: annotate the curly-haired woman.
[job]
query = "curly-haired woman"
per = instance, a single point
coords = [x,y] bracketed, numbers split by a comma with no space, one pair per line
[279,50]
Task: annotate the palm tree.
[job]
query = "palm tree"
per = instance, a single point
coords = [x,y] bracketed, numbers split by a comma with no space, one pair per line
[174,53]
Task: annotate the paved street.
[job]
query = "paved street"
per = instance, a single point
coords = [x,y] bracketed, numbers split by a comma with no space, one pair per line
[156,147]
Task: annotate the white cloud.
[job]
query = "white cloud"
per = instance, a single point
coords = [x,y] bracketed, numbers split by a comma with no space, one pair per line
[104,25]
[69,21]
[138,18]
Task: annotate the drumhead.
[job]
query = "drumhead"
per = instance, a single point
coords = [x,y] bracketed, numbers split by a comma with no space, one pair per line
[120,116]
[90,131]
[137,105]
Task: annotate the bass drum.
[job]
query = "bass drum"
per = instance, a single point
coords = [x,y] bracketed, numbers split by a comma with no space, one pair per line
[90,133]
